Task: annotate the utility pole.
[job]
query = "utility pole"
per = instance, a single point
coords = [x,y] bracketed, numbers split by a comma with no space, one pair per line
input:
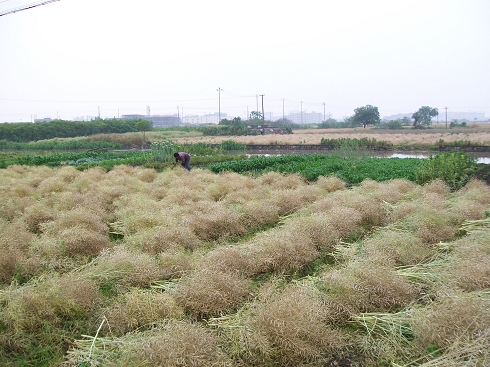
[283,109]
[301,111]
[219,104]
[324,111]
[446,116]
[262,95]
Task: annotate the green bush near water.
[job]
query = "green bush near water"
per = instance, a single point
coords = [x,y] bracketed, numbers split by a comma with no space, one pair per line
[454,168]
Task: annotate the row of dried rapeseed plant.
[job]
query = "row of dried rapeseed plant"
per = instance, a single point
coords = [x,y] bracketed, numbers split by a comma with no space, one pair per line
[131,267]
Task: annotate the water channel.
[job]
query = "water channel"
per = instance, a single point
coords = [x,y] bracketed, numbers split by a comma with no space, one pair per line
[483,158]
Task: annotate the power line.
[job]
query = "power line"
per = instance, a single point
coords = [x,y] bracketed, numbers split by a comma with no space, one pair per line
[26,7]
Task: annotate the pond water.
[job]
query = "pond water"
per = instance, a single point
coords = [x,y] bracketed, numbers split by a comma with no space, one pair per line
[481,157]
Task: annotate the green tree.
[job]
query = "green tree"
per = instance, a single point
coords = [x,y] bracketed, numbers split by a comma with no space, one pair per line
[367,115]
[237,121]
[143,125]
[424,116]
[255,115]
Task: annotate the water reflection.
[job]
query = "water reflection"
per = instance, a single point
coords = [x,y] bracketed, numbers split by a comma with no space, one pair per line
[481,157]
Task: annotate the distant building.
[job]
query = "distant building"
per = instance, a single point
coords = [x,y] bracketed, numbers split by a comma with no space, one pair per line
[302,117]
[164,120]
[46,119]
[212,118]
[192,119]
[398,116]
[156,120]
[133,117]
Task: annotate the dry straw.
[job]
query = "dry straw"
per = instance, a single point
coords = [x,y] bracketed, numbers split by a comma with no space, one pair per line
[122,268]
[31,308]
[387,336]
[139,309]
[454,319]
[286,326]
[214,221]
[158,239]
[330,183]
[362,286]
[209,293]
[396,248]
[471,202]
[282,250]
[470,259]
[171,343]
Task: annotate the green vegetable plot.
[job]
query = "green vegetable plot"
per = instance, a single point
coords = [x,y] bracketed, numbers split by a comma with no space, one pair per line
[311,166]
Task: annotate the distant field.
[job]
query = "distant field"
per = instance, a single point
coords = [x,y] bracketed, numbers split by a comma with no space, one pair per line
[475,134]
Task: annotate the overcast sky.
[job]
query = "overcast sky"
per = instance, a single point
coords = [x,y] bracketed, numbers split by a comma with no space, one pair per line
[72,58]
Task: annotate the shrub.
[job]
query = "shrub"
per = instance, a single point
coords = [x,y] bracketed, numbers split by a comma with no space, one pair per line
[232,145]
[455,168]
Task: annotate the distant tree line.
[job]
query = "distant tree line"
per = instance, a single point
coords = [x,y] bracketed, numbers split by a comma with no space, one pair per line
[238,127]
[369,115]
[27,132]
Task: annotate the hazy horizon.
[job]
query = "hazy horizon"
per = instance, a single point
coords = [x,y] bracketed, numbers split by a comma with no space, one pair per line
[74,58]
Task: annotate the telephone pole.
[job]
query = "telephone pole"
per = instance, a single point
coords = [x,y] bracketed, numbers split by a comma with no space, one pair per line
[283,110]
[446,116]
[219,104]
[301,111]
[324,111]
[262,95]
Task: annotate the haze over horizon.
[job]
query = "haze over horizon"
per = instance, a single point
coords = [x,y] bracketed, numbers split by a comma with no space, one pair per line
[74,58]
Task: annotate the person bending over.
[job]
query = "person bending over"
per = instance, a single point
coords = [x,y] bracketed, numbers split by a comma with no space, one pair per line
[184,158]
